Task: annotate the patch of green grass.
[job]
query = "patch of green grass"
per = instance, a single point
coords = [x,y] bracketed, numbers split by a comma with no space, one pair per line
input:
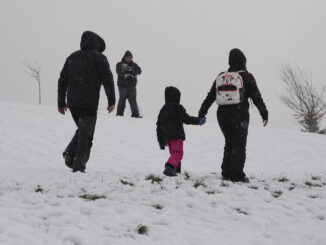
[39,189]
[142,230]
[158,206]
[154,178]
[187,175]
[253,187]
[125,182]
[199,183]
[224,184]
[283,179]
[90,197]
[310,184]
[277,194]
[240,211]
[315,177]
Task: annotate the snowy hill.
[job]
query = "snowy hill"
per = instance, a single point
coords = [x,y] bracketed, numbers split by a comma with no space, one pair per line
[43,202]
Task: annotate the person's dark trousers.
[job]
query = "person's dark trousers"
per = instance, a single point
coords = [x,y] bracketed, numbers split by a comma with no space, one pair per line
[80,145]
[130,94]
[235,130]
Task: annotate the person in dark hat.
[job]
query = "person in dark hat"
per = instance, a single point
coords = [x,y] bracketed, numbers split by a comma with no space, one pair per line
[80,81]
[231,90]
[169,129]
[127,71]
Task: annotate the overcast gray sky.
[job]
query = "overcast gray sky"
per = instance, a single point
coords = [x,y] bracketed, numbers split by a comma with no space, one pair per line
[184,43]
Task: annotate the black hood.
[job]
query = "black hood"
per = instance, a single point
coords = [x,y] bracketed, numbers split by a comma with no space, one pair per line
[172,94]
[237,59]
[91,40]
[127,53]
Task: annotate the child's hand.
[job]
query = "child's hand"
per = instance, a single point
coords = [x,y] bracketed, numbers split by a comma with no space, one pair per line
[162,147]
[202,121]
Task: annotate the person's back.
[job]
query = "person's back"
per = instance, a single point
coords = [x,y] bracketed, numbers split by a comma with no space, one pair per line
[234,119]
[83,74]
[80,80]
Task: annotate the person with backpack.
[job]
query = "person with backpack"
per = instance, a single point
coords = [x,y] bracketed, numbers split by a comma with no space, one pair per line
[127,71]
[80,81]
[231,91]
[169,128]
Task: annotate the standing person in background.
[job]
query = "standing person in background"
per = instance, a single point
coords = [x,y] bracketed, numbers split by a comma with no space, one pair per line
[231,91]
[80,80]
[127,71]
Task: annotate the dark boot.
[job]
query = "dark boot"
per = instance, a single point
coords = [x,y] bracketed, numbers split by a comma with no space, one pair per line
[178,170]
[169,170]
[68,159]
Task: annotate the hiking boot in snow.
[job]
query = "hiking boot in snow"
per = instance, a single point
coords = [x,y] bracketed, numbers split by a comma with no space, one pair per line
[68,159]
[136,116]
[243,180]
[178,170]
[169,170]
[79,169]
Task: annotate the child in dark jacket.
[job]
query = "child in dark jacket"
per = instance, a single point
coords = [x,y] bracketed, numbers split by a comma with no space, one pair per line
[170,130]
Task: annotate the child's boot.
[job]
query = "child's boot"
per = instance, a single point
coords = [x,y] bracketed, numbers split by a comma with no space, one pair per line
[178,170]
[169,170]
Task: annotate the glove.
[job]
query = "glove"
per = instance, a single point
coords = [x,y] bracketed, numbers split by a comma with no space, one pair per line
[162,146]
[202,121]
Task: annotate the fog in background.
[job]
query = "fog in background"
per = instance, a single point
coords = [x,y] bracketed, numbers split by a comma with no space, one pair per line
[183,43]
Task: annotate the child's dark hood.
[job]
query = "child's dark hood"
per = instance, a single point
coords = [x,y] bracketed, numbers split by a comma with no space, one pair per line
[91,40]
[237,59]
[172,94]
[127,53]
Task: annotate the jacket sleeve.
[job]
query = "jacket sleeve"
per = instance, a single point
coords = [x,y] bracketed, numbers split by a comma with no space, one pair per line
[254,93]
[118,69]
[159,134]
[185,118]
[107,80]
[137,70]
[210,98]
[63,85]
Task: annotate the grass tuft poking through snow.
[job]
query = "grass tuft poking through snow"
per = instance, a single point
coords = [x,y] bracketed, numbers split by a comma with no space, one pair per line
[199,183]
[142,230]
[310,184]
[187,175]
[125,182]
[39,189]
[283,179]
[277,194]
[90,197]
[154,178]
[158,206]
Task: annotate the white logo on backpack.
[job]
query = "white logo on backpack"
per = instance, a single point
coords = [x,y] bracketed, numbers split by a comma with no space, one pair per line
[229,88]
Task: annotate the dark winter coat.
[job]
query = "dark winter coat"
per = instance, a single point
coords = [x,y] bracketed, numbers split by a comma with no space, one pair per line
[172,117]
[132,69]
[83,74]
[237,62]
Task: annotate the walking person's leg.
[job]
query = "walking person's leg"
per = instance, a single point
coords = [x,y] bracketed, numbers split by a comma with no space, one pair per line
[123,91]
[132,98]
[70,151]
[85,137]
[176,154]
[238,153]
[226,128]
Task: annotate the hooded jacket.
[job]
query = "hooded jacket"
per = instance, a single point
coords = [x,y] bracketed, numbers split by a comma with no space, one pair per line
[83,74]
[171,118]
[123,68]
[237,62]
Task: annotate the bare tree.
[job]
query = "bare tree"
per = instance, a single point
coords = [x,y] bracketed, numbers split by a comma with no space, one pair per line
[33,69]
[303,98]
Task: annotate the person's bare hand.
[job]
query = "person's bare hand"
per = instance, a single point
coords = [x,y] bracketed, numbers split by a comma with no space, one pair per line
[265,122]
[62,110]
[111,108]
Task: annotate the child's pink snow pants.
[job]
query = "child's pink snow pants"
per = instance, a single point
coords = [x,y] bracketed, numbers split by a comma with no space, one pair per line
[176,152]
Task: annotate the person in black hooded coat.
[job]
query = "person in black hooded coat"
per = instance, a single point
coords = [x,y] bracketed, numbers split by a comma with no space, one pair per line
[127,71]
[169,128]
[234,119]
[80,81]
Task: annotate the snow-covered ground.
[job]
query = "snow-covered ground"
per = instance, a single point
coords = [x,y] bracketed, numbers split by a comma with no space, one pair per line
[43,202]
